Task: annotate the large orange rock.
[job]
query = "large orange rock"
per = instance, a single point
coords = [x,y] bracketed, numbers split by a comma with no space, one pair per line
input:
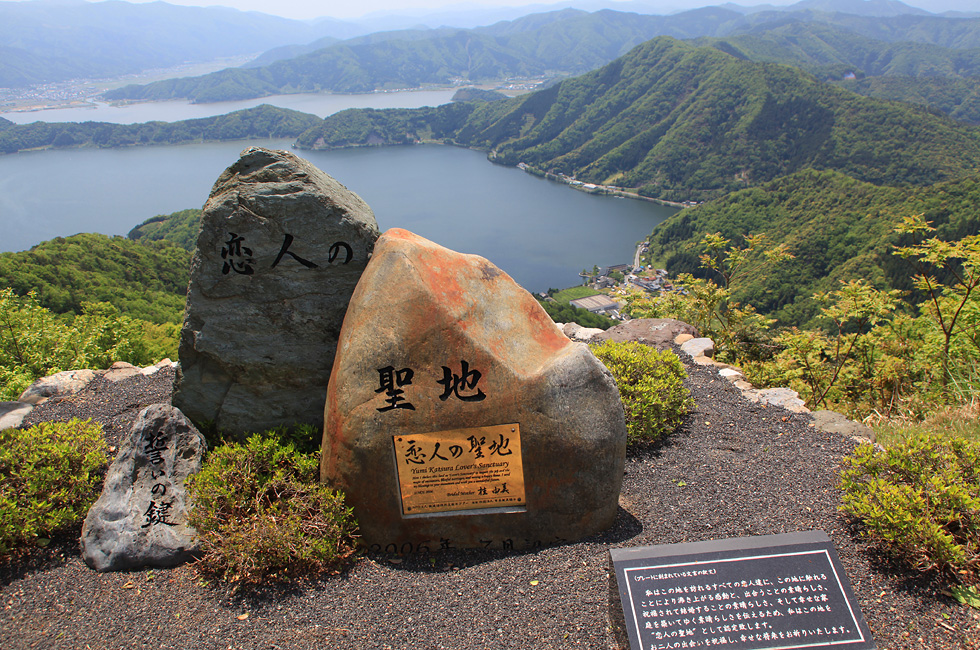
[458,415]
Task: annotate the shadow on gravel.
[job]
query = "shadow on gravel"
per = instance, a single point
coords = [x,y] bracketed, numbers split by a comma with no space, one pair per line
[923,586]
[25,561]
[625,527]
[273,591]
[656,449]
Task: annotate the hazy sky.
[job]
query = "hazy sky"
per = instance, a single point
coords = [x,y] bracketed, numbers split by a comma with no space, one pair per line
[346,9]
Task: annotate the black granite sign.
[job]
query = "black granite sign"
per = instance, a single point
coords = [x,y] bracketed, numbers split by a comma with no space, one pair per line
[776,591]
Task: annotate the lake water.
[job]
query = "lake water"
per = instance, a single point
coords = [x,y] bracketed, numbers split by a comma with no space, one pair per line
[320,104]
[541,233]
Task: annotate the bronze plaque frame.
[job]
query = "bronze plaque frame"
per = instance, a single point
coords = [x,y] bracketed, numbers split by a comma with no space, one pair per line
[477,468]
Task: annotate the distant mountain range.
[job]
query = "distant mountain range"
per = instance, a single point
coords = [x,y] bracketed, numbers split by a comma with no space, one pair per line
[43,41]
[46,41]
[908,55]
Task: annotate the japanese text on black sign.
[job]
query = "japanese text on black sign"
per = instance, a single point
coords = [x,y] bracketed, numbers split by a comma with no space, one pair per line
[792,600]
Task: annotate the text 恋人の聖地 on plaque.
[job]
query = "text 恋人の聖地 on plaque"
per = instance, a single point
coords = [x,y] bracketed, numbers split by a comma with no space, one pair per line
[461,469]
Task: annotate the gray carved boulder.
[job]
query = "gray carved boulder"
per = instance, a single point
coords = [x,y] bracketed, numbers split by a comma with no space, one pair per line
[140,519]
[459,415]
[281,248]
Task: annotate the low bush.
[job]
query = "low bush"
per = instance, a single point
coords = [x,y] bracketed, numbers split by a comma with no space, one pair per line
[651,385]
[921,500]
[261,513]
[51,473]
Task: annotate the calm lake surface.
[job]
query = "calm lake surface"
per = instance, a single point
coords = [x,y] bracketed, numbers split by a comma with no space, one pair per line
[320,104]
[541,233]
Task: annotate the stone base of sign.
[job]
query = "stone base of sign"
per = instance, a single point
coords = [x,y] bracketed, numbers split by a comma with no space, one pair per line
[436,342]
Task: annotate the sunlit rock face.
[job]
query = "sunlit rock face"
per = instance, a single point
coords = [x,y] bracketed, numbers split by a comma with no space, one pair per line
[459,415]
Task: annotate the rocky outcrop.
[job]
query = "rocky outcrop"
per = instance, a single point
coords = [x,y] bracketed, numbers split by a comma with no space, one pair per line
[12,414]
[833,422]
[66,384]
[140,519]
[60,384]
[657,332]
[458,415]
[281,248]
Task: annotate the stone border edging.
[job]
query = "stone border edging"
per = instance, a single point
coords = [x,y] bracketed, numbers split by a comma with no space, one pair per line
[702,349]
[65,384]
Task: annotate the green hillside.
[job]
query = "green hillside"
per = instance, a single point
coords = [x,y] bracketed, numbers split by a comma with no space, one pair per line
[681,122]
[554,43]
[180,228]
[263,121]
[941,78]
[836,228]
[957,97]
[145,281]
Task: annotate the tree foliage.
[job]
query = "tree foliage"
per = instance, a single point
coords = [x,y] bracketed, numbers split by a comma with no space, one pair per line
[836,229]
[181,228]
[34,342]
[145,281]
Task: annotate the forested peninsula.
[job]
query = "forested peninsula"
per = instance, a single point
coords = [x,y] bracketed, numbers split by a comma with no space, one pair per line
[263,121]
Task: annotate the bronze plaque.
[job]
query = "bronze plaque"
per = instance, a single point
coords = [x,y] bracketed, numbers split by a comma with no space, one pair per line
[460,469]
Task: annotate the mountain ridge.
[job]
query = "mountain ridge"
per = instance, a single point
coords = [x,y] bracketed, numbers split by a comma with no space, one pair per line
[680,122]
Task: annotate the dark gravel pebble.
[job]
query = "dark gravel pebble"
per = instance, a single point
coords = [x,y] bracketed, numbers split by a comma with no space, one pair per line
[732,469]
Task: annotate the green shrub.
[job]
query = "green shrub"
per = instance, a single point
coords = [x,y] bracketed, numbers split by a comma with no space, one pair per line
[51,474]
[651,385]
[261,513]
[35,342]
[921,499]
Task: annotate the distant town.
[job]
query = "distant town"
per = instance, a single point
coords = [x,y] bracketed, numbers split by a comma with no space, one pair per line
[609,287]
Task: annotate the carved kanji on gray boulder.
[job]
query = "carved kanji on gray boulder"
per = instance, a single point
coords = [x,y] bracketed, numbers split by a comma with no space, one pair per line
[281,248]
[140,519]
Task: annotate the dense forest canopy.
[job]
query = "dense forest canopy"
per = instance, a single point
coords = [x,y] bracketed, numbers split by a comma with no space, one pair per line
[836,228]
[145,281]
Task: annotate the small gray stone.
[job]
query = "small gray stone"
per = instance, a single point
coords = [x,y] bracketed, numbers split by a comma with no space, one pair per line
[121,370]
[586,334]
[658,332]
[59,384]
[787,398]
[833,422]
[12,414]
[140,519]
[701,347]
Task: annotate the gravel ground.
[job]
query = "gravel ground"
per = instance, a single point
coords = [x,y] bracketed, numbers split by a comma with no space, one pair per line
[732,469]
